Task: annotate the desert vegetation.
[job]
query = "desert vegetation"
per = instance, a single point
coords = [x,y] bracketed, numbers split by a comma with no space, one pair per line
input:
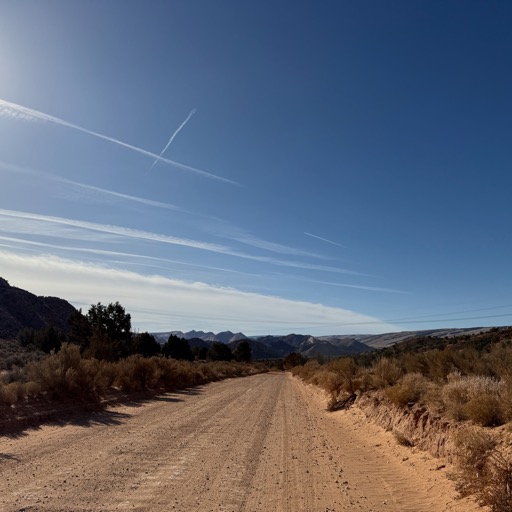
[67,374]
[467,380]
[100,354]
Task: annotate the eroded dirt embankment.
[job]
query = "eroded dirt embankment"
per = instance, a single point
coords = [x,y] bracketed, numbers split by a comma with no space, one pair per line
[419,426]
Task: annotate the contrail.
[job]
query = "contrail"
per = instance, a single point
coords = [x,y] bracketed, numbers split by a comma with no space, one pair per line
[13,110]
[361,287]
[192,112]
[325,240]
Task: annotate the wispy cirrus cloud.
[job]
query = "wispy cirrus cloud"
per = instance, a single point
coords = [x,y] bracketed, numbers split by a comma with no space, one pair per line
[112,230]
[180,127]
[213,225]
[163,304]
[324,239]
[36,224]
[5,166]
[10,110]
[119,195]
[103,252]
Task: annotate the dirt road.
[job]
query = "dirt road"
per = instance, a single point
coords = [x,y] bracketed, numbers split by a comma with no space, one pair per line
[261,443]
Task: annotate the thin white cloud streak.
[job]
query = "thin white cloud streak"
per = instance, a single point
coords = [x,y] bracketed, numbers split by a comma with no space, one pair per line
[325,239]
[141,200]
[192,112]
[39,228]
[114,230]
[104,252]
[159,304]
[219,227]
[5,166]
[10,110]
[36,229]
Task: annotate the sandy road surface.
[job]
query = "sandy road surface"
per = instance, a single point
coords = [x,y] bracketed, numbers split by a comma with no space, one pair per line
[261,443]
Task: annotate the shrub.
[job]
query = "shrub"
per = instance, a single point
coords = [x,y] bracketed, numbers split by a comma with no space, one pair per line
[308,371]
[498,492]
[473,397]
[484,410]
[410,389]
[486,470]
[473,446]
[294,359]
[136,373]
[8,394]
[32,388]
[65,374]
[346,371]
[386,372]
[433,398]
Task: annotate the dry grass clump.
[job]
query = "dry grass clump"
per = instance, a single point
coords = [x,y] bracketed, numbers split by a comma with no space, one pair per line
[12,392]
[486,469]
[474,445]
[410,389]
[506,403]
[8,394]
[335,376]
[485,410]
[308,372]
[402,439]
[498,491]
[385,372]
[136,373]
[475,397]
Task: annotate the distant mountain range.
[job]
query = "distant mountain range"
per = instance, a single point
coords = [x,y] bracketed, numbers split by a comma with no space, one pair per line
[273,347]
[20,308]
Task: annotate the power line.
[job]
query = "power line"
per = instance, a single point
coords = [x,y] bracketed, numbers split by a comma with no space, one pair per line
[452,313]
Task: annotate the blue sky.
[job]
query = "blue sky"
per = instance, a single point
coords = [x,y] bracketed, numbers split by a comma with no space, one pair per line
[335,167]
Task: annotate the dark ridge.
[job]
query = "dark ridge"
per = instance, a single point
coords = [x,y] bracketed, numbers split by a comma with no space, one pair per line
[20,309]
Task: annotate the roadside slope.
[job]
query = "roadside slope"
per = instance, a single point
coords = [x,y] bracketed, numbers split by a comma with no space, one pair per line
[253,444]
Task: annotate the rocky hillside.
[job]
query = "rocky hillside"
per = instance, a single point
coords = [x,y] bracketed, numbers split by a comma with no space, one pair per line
[271,347]
[311,346]
[19,309]
[377,341]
